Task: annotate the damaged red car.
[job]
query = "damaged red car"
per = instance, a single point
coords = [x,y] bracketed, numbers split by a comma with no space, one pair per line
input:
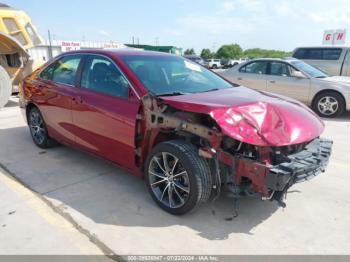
[191,134]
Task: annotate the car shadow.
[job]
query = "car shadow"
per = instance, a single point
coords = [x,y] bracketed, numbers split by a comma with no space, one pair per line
[343,118]
[12,103]
[106,194]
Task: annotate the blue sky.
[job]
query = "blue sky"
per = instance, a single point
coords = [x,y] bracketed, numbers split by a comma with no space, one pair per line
[282,24]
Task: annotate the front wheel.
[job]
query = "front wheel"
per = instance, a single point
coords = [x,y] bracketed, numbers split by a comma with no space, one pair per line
[177,177]
[329,104]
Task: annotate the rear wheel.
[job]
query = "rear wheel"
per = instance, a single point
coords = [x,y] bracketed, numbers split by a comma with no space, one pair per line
[177,177]
[38,129]
[5,87]
[329,104]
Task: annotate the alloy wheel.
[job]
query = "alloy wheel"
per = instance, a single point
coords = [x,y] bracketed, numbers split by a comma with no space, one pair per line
[37,128]
[328,105]
[169,180]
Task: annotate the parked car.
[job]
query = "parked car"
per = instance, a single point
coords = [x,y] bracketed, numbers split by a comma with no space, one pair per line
[214,63]
[187,131]
[333,60]
[197,59]
[328,96]
[228,63]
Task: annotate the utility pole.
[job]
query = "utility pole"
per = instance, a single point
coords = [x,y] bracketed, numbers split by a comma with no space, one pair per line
[50,45]
[133,40]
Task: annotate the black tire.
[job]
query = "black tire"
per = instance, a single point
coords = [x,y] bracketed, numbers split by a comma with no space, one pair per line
[199,178]
[336,104]
[214,66]
[36,122]
[5,87]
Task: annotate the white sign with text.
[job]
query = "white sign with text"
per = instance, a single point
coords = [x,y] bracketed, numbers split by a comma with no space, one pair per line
[334,37]
[70,46]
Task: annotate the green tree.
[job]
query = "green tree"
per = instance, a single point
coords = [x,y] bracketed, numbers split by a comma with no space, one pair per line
[232,51]
[264,53]
[207,54]
[189,52]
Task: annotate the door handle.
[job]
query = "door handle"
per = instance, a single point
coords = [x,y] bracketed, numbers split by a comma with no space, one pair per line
[272,81]
[239,78]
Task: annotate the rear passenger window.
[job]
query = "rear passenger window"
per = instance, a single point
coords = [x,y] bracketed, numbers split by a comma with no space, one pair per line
[315,54]
[66,69]
[46,74]
[254,68]
[331,54]
[318,53]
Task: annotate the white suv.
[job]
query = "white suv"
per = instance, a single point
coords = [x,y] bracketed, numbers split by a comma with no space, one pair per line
[214,63]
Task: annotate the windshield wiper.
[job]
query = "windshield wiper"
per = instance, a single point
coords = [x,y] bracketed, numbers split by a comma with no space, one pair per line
[321,76]
[172,94]
[210,90]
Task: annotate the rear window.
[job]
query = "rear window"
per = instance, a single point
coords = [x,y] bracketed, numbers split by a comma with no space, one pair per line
[258,67]
[318,53]
[14,30]
[10,24]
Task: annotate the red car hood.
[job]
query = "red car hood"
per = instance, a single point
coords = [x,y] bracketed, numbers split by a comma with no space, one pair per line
[253,117]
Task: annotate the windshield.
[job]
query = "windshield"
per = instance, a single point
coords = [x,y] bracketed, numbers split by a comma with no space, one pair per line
[308,69]
[172,75]
[32,34]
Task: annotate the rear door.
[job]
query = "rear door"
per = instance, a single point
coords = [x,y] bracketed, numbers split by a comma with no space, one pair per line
[57,85]
[105,111]
[281,81]
[252,75]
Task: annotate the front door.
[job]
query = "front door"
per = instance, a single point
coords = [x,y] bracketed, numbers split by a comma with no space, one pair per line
[104,113]
[281,81]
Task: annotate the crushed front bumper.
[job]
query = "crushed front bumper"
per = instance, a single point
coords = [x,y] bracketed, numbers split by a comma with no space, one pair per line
[300,167]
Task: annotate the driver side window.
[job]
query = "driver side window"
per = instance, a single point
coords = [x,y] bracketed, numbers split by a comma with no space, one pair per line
[280,69]
[101,75]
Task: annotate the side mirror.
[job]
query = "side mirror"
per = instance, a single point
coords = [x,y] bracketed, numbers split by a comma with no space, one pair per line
[298,74]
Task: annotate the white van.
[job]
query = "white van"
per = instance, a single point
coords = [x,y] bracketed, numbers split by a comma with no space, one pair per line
[333,60]
[214,63]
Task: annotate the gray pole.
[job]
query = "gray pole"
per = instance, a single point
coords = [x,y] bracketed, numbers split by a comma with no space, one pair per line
[50,45]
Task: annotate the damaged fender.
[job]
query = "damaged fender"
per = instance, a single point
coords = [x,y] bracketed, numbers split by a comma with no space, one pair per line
[272,143]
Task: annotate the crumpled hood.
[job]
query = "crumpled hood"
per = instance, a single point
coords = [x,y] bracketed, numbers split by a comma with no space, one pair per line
[253,117]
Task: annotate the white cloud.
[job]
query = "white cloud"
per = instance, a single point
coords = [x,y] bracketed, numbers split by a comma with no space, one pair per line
[264,23]
[228,6]
[175,32]
[104,33]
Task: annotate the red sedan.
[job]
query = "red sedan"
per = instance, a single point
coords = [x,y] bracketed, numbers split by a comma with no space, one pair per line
[189,132]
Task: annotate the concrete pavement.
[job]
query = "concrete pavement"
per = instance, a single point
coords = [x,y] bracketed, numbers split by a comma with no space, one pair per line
[116,209]
[29,226]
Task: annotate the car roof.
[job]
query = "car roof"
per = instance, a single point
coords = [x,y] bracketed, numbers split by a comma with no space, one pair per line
[324,46]
[119,51]
[284,59]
